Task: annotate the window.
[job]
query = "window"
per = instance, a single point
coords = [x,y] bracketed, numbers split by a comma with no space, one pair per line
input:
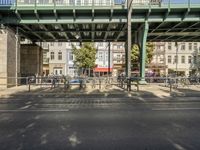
[107,2]
[78,2]
[86,2]
[52,43]
[71,2]
[161,48]
[175,59]
[182,46]
[182,59]
[189,59]
[52,55]
[45,45]
[71,58]
[190,46]
[100,56]
[169,46]
[169,59]
[59,55]
[195,59]
[118,56]
[59,43]
[58,71]
[100,44]
[195,46]
[59,1]
[118,46]
[106,56]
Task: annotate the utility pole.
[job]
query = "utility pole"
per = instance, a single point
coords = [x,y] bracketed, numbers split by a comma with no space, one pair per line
[109,59]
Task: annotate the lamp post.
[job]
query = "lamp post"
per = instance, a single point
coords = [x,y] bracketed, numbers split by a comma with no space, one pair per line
[176,44]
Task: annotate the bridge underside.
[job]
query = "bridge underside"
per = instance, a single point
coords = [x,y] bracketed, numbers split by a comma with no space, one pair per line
[62,23]
[55,22]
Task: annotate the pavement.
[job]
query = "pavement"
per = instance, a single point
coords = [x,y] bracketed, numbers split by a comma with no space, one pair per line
[150,90]
[98,122]
[105,119]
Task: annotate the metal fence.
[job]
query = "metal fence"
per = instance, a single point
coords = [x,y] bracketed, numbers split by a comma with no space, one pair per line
[129,84]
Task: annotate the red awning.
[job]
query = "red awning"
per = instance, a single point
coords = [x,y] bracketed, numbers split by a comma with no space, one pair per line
[102,69]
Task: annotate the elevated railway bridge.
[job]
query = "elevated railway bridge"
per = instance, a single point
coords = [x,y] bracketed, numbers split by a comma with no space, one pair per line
[130,21]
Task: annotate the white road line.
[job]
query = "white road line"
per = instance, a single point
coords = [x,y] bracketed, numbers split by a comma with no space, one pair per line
[163,109]
[141,99]
[42,110]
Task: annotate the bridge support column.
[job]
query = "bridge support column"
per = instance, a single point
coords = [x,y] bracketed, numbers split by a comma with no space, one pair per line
[129,39]
[142,45]
[9,58]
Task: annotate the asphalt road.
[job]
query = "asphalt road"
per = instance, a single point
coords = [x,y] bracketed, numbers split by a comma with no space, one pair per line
[97,123]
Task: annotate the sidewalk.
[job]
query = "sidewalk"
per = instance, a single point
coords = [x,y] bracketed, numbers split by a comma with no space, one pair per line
[150,90]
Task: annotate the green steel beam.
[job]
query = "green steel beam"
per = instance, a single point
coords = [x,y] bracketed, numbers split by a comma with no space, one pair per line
[111,14]
[36,14]
[17,14]
[62,31]
[78,32]
[93,33]
[124,26]
[174,34]
[106,33]
[143,52]
[54,31]
[178,24]
[42,26]
[30,30]
[196,23]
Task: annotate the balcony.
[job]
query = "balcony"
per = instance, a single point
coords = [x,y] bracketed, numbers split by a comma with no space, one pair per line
[45,61]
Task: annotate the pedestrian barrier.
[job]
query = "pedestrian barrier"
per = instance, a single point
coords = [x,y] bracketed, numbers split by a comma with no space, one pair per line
[101,83]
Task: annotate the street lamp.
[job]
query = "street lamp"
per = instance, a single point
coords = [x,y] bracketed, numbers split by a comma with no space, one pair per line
[176,44]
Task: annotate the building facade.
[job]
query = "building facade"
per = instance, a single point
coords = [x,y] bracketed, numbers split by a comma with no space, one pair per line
[168,58]
[57,58]
[71,69]
[182,57]
[118,49]
[158,66]
[104,63]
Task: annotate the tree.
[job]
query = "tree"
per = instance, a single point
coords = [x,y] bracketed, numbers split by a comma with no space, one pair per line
[85,56]
[135,54]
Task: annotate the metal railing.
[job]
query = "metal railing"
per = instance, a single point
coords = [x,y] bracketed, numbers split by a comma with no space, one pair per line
[102,83]
[13,81]
[136,3]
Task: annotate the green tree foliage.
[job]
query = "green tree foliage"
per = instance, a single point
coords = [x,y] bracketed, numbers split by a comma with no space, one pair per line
[85,56]
[135,54]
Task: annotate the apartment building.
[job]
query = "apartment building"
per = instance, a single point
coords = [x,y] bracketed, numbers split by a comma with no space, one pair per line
[57,58]
[118,50]
[158,66]
[182,57]
[71,69]
[103,66]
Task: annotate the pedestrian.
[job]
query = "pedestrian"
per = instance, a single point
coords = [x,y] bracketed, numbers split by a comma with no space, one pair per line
[53,82]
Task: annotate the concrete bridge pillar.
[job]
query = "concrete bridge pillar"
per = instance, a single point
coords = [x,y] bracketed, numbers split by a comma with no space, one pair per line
[9,58]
